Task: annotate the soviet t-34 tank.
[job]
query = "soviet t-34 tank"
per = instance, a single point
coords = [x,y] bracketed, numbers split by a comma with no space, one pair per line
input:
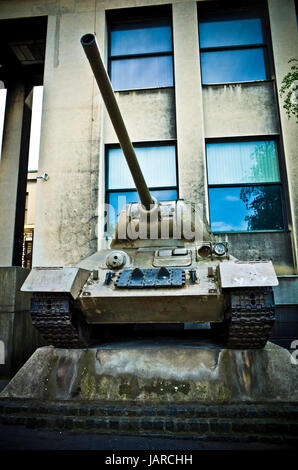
[163,266]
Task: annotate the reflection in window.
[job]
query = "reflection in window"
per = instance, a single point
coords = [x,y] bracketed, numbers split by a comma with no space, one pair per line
[233,66]
[230,33]
[141,54]
[158,164]
[245,208]
[244,186]
[232,48]
[242,162]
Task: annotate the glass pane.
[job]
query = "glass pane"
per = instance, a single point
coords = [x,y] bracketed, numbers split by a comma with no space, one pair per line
[231,33]
[242,162]
[141,37]
[233,66]
[245,208]
[158,165]
[119,199]
[145,72]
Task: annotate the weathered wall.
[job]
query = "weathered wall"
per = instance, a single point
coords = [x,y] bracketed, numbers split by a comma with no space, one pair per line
[149,115]
[9,170]
[254,246]
[240,110]
[19,336]
[188,92]
[66,206]
[285,46]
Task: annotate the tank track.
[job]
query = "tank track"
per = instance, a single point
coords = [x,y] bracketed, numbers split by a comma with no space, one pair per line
[250,318]
[52,315]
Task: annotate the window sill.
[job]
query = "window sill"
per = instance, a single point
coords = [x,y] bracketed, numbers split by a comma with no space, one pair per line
[250,231]
[251,82]
[129,90]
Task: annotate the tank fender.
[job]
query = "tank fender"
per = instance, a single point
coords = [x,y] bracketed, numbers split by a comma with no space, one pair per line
[56,279]
[234,274]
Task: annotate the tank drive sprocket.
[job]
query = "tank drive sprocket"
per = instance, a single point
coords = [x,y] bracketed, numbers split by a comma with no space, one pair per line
[54,317]
[250,318]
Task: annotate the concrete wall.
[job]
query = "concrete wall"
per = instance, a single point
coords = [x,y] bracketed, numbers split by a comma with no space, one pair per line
[17,333]
[241,109]
[285,46]
[66,205]
[148,114]
[9,170]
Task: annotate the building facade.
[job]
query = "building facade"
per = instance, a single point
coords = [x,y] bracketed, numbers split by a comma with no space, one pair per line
[198,85]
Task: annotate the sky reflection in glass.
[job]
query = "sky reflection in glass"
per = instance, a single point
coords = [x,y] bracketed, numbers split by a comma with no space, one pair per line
[141,38]
[231,33]
[233,66]
[145,72]
[245,208]
[161,157]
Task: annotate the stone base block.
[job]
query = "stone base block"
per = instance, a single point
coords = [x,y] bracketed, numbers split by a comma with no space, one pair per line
[158,374]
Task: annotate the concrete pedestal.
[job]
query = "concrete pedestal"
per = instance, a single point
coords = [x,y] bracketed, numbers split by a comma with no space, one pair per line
[158,374]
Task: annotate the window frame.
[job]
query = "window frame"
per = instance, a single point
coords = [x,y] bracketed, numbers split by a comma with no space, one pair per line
[280,184]
[135,17]
[241,12]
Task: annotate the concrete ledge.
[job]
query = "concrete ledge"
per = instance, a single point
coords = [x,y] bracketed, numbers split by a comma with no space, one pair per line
[157,375]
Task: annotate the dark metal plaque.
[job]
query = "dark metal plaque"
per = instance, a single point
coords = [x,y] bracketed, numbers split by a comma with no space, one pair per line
[163,277]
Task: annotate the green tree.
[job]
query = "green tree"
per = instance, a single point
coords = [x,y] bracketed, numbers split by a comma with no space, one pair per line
[289,90]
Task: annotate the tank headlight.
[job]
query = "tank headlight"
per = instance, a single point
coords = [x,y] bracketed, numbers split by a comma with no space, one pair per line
[204,251]
[219,249]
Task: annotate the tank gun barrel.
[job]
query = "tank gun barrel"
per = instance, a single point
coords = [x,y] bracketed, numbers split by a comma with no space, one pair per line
[92,52]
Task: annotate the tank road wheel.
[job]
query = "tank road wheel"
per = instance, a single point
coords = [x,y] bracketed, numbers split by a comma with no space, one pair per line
[60,325]
[248,320]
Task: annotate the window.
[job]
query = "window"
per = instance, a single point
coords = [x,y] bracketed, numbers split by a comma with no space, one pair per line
[244,186]
[140,53]
[158,164]
[232,46]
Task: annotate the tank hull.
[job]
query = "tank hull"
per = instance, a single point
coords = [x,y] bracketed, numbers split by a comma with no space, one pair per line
[152,308]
